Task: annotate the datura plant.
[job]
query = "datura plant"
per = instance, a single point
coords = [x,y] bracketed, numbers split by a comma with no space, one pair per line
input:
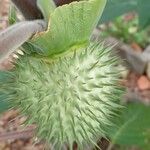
[66,84]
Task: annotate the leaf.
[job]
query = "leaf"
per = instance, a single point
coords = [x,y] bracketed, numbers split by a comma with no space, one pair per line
[46,7]
[133,127]
[12,15]
[143,11]
[70,25]
[115,8]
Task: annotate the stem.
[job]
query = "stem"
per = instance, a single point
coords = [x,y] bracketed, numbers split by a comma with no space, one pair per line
[62,2]
[46,7]
[14,36]
[29,9]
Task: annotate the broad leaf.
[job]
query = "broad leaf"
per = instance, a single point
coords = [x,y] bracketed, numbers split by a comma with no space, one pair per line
[143,11]
[70,25]
[133,127]
[115,8]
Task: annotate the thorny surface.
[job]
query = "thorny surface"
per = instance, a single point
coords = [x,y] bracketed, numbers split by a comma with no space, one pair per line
[12,121]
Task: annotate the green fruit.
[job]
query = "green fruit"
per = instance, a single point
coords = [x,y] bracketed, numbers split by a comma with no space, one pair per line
[71,97]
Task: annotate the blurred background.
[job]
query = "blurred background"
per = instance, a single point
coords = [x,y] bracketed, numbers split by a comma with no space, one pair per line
[125,24]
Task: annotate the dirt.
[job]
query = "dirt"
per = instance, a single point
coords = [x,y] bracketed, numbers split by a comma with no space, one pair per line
[12,122]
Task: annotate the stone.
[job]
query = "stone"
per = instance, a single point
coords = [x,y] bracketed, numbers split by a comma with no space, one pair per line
[136,62]
[146,54]
[133,60]
[143,83]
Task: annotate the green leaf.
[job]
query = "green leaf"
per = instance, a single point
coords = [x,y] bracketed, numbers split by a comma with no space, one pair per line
[115,8]
[143,11]
[12,18]
[70,25]
[134,127]
[46,7]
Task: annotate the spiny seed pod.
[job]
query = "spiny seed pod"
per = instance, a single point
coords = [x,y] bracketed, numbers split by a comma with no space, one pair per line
[65,84]
[70,98]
